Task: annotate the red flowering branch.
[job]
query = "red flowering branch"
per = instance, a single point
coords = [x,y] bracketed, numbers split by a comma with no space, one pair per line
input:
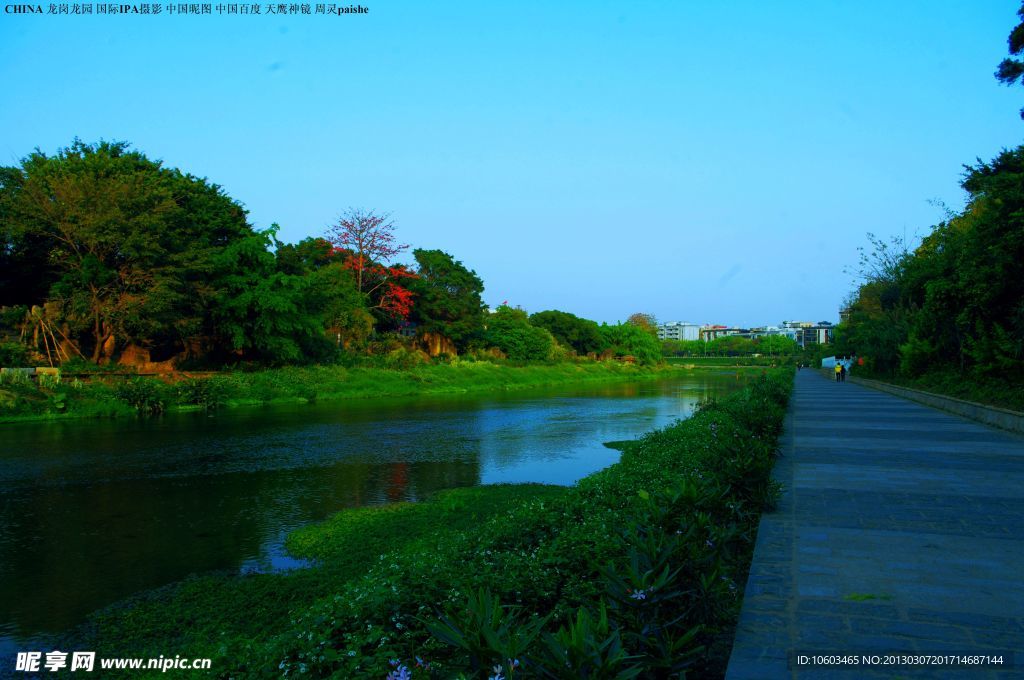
[369,237]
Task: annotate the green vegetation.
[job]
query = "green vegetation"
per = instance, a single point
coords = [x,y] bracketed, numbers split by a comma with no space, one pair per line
[109,257]
[634,572]
[732,346]
[510,331]
[400,372]
[990,390]
[230,617]
[632,340]
[948,315]
[581,335]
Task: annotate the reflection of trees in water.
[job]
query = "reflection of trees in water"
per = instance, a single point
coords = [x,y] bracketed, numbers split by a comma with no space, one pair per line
[68,550]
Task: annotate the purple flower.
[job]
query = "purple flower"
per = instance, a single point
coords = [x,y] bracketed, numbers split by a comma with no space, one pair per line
[639,595]
[400,673]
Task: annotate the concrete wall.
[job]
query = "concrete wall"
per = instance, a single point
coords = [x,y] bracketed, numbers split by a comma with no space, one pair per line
[990,415]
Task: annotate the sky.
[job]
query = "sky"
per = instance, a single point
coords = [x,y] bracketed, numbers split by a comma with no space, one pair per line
[702,161]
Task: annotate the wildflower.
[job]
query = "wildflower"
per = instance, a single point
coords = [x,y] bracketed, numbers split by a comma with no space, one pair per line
[639,595]
[400,673]
[497,673]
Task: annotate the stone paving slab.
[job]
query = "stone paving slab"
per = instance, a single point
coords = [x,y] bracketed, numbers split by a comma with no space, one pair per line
[900,531]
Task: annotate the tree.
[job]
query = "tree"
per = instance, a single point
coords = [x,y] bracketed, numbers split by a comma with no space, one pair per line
[368,242]
[100,210]
[645,321]
[731,345]
[627,339]
[776,344]
[683,348]
[1010,70]
[581,335]
[957,301]
[262,313]
[128,243]
[447,298]
[342,306]
[307,255]
[510,331]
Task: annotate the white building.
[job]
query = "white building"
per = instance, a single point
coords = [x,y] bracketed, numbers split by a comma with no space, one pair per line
[678,330]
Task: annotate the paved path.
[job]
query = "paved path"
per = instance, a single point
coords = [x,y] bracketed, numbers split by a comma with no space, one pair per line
[901,529]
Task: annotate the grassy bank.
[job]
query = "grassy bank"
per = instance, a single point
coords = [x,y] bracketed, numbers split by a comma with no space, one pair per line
[24,400]
[636,571]
[231,618]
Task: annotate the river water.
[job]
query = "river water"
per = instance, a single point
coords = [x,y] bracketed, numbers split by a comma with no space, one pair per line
[91,512]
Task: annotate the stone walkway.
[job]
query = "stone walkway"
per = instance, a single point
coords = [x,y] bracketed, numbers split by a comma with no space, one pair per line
[900,530]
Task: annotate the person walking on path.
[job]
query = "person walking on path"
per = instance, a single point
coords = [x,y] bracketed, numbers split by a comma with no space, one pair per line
[842,372]
[839,370]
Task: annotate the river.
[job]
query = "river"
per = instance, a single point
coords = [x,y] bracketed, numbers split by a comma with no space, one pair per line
[93,511]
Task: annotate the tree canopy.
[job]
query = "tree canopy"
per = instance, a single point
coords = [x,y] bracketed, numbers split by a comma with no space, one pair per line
[110,255]
[957,301]
[581,335]
[510,330]
[128,242]
[1010,69]
[447,298]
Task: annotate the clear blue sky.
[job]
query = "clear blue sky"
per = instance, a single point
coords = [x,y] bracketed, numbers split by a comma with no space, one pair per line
[704,161]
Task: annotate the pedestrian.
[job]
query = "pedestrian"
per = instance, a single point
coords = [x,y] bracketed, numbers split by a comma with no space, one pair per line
[842,372]
[839,369]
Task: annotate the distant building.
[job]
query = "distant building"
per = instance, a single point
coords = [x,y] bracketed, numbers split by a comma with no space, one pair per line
[807,333]
[678,330]
[709,333]
[804,333]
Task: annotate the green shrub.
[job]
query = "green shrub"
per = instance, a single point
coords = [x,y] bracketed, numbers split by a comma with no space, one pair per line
[209,393]
[143,394]
[403,359]
[13,354]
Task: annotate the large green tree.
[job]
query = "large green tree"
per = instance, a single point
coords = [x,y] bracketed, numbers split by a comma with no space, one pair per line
[581,335]
[333,286]
[101,210]
[262,313]
[128,243]
[510,330]
[629,339]
[447,298]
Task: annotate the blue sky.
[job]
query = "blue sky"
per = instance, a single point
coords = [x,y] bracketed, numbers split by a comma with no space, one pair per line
[704,161]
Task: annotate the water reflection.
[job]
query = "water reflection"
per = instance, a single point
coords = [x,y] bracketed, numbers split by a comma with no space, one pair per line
[92,512]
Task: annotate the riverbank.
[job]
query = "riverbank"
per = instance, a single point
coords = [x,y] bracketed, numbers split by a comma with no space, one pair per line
[22,400]
[404,581]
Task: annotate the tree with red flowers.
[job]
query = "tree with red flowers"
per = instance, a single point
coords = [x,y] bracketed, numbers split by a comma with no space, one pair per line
[367,242]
